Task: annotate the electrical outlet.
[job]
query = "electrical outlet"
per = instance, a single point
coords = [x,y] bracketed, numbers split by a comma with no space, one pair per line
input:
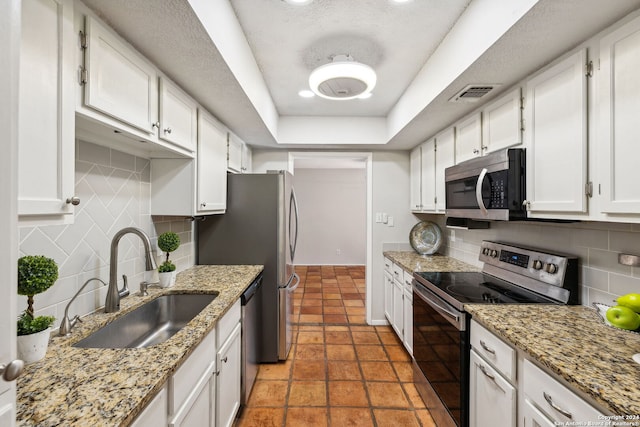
[338,252]
[385,217]
[390,221]
[378,217]
[452,235]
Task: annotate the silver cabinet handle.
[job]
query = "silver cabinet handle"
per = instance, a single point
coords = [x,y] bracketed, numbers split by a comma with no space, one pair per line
[550,401]
[487,348]
[224,360]
[476,151]
[75,201]
[12,370]
[155,125]
[487,374]
[167,130]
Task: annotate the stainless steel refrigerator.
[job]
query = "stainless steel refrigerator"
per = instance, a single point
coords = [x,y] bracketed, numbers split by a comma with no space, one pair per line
[260,226]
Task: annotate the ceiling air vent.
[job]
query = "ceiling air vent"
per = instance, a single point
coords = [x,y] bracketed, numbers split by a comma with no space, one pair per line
[472,93]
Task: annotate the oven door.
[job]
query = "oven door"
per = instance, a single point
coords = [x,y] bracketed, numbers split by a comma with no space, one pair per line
[441,357]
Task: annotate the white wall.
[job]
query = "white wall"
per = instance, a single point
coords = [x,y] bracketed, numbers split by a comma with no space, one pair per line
[597,245]
[333,216]
[264,160]
[114,189]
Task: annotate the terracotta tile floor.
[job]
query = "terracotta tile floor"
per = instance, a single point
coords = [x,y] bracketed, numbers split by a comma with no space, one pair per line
[340,371]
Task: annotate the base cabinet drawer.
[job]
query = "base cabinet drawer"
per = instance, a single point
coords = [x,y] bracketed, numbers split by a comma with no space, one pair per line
[501,355]
[555,400]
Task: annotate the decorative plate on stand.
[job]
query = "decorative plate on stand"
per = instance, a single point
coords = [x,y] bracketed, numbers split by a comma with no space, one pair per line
[425,237]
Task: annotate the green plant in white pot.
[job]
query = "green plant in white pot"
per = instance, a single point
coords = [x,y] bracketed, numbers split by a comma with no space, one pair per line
[167,242]
[36,274]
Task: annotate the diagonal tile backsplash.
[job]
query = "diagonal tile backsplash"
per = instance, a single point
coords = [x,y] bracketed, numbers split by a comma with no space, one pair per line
[114,189]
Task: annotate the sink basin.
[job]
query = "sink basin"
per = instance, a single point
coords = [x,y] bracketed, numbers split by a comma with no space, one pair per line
[150,324]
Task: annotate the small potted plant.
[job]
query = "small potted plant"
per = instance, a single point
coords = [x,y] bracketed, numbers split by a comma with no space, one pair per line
[36,274]
[167,242]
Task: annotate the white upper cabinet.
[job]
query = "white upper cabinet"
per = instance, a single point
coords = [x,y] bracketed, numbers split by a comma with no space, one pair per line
[234,153]
[619,103]
[188,187]
[556,139]
[502,122]
[428,187]
[178,116]
[415,171]
[120,83]
[46,149]
[469,138]
[445,157]
[212,165]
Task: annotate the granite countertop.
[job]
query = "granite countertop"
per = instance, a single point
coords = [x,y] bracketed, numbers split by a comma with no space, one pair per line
[412,261]
[574,343]
[110,387]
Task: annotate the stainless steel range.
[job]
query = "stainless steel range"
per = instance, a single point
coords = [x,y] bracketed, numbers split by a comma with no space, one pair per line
[511,274]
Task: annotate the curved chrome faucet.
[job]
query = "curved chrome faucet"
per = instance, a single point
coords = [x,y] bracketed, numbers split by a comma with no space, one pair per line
[112,304]
[67,324]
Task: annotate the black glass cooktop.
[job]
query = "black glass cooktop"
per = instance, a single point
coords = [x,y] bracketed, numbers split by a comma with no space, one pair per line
[478,288]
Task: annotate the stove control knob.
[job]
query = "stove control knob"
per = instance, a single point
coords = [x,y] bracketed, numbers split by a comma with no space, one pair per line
[494,253]
[537,265]
[486,251]
[551,268]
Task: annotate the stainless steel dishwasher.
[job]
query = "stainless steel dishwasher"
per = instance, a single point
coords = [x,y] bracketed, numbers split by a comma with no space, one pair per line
[251,314]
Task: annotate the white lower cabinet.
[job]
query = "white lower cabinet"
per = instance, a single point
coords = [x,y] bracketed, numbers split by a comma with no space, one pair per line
[408,313]
[533,417]
[228,367]
[388,296]
[398,309]
[493,399]
[155,414]
[560,404]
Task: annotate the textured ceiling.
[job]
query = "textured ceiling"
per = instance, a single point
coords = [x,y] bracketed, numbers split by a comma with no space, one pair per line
[288,41]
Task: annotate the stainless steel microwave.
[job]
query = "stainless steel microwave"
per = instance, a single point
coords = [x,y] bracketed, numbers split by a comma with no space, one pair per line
[491,187]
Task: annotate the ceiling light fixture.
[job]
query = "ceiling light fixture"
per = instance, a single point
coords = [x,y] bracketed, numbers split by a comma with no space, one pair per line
[342,79]
[306,93]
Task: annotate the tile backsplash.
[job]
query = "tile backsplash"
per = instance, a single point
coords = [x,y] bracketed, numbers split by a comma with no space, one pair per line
[114,189]
[596,244]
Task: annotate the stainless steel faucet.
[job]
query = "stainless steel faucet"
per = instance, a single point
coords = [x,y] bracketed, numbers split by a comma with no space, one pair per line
[112,304]
[67,324]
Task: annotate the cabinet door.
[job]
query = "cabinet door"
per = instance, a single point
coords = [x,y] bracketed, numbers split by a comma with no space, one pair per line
[502,122]
[415,171]
[46,150]
[492,400]
[445,157]
[178,116]
[428,195]
[120,82]
[155,414]
[619,102]
[388,297]
[556,138]
[398,308]
[234,153]
[228,381]
[200,413]
[212,165]
[408,320]
[533,417]
[468,138]
[247,159]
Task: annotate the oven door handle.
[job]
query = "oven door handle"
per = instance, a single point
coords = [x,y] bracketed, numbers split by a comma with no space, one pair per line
[481,205]
[453,317]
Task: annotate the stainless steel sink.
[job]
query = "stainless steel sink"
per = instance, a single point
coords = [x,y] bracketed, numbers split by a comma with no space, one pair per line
[150,324]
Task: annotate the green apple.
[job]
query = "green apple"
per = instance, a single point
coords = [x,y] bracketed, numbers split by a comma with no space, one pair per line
[623,318]
[631,301]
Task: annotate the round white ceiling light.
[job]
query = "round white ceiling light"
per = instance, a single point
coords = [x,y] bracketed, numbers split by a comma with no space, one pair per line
[342,79]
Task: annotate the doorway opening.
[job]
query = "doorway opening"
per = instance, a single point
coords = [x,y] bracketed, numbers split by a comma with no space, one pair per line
[334,194]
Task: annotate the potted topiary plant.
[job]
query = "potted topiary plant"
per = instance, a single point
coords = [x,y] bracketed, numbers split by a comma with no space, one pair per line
[167,242]
[36,274]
